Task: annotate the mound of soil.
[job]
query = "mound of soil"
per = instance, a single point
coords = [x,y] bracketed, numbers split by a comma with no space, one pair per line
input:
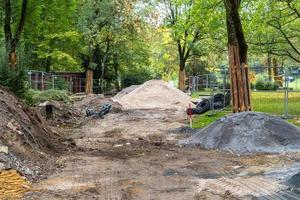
[248,132]
[95,102]
[153,94]
[24,134]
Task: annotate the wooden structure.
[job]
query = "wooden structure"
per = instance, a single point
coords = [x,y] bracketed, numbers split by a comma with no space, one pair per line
[240,86]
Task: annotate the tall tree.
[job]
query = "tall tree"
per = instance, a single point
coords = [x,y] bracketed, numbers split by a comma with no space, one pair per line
[237,48]
[185,30]
[12,39]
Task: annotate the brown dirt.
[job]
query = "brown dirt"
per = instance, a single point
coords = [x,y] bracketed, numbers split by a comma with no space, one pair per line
[25,133]
[133,155]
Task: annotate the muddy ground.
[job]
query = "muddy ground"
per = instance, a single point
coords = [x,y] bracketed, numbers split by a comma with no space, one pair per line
[134,155]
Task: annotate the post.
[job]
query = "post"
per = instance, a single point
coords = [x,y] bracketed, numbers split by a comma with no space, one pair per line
[207,81]
[29,77]
[286,85]
[53,82]
[80,85]
[71,84]
[42,81]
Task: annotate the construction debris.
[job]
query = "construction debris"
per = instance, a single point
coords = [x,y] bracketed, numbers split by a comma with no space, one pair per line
[154,94]
[25,139]
[99,113]
[248,132]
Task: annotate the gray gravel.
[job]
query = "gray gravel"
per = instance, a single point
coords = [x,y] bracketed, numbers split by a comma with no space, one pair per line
[248,132]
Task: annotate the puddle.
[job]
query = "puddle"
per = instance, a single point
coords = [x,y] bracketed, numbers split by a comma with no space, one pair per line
[12,185]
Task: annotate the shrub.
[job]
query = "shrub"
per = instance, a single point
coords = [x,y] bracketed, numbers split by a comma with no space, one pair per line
[136,77]
[34,97]
[260,84]
[265,85]
[13,79]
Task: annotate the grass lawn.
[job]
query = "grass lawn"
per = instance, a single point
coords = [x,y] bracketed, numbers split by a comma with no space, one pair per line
[268,102]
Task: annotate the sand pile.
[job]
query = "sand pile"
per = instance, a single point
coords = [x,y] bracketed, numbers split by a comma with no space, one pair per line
[248,132]
[24,136]
[153,94]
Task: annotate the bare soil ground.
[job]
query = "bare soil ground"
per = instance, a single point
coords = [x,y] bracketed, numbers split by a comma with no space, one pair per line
[134,155]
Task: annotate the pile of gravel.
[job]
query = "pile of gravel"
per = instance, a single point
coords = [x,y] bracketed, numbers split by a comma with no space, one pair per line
[248,132]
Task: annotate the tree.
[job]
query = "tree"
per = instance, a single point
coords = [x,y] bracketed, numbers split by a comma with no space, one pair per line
[12,39]
[51,40]
[237,49]
[285,19]
[186,32]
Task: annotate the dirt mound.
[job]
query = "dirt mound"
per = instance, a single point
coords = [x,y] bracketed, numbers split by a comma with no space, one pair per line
[95,102]
[248,132]
[153,94]
[24,136]
[126,91]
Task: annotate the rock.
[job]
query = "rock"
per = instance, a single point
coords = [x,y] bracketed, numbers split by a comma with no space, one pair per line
[3,149]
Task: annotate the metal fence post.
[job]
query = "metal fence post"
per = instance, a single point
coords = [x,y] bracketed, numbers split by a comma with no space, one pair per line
[197,83]
[286,85]
[207,77]
[53,82]
[29,76]
[70,83]
[42,81]
[193,84]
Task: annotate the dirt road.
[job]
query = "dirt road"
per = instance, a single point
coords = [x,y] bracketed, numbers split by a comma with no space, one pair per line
[133,155]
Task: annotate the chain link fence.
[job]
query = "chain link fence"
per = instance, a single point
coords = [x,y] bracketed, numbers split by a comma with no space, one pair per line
[72,82]
[273,90]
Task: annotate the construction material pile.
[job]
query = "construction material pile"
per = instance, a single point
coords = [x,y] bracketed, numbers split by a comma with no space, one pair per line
[248,132]
[95,102]
[24,136]
[154,94]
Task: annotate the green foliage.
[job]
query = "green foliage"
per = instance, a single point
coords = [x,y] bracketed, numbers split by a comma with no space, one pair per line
[136,77]
[14,80]
[34,97]
[264,84]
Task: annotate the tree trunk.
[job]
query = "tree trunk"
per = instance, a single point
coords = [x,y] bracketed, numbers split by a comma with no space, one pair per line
[89,81]
[11,41]
[269,63]
[116,71]
[237,51]
[278,79]
[181,80]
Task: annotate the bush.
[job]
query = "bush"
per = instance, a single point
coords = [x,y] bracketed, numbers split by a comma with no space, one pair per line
[136,77]
[13,79]
[265,85]
[34,97]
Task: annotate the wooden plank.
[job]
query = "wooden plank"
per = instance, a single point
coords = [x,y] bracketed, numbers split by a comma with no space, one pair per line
[245,85]
[240,84]
[233,79]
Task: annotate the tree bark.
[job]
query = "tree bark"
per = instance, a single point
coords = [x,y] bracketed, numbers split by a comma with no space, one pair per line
[11,41]
[183,53]
[116,71]
[269,64]
[237,51]
[89,81]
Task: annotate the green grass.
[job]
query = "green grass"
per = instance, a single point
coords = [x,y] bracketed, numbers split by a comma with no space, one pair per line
[201,121]
[268,102]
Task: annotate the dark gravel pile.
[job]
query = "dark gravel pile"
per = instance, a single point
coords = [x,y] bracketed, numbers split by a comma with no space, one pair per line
[248,132]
